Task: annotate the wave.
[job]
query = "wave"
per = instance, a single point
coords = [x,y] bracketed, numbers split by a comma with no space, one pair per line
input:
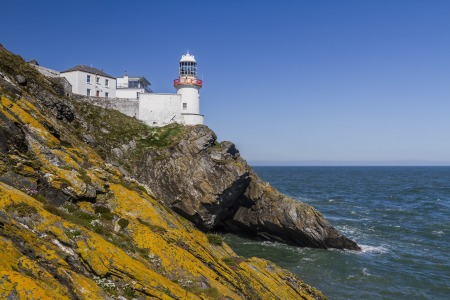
[373,249]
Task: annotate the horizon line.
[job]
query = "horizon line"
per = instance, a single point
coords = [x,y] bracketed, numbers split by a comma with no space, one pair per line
[325,163]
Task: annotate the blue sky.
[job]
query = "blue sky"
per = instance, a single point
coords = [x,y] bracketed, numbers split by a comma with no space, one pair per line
[289,82]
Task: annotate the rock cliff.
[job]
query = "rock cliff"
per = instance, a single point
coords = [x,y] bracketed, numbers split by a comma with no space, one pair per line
[210,184]
[74,226]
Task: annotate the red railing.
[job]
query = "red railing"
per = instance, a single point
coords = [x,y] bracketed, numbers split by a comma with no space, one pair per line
[188,81]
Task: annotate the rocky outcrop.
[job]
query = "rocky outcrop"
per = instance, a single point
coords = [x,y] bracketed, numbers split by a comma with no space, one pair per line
[276,217]
[210,184]
[72,226]
[197,178]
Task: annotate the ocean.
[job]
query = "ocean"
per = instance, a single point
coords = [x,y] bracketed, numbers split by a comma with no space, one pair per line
[400,216]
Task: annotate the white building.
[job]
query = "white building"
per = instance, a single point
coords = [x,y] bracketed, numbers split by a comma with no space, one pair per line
[188,87]
[131,87]
[132,95]
[90,81]
[182,107]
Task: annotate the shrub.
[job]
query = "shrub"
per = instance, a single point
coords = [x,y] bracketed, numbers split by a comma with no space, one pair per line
[72,233]
[39,198]
[21,209]
[229,261]
[104,212]
[123,223]
[214,239]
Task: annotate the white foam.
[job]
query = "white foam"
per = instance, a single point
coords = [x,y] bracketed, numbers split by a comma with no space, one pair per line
[365,272]
[438,233]
[373,249]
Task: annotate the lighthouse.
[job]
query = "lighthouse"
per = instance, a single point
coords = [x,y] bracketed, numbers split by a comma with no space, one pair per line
[188,86]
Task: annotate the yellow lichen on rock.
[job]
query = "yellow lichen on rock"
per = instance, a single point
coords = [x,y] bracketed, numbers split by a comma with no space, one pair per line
[20,286]
[22,111]
[54,244]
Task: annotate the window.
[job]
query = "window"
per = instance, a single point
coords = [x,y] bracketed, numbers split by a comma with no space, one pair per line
[188,68]
[88,91]
[97,93]
[88,78]
[106,82]
[106,95]
[184,105]
[133,84]
[97,79]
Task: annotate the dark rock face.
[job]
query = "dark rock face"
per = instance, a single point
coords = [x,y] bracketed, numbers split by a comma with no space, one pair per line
[276,217]
[196,178]
[11,136]
[21,80]
[211,185]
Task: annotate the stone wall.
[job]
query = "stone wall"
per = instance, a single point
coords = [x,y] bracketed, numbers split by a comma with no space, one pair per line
[129,107]
[61,85]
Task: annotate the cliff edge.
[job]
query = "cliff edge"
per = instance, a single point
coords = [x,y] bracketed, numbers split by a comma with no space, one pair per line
[73,226]
[210,184]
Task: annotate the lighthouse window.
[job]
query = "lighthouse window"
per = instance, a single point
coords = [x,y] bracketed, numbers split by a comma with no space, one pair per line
[188,68]
[184,105]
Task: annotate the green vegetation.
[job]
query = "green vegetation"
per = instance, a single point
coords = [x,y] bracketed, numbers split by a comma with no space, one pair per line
[143,252]
[84,176]
[129,292]
[12,64]
[229,261]
[21,209]
[104,212]
[214,239]
[153,227]
[102,226]
[123,223]
[39,198]
[211,292]
[113,129]
[71,234]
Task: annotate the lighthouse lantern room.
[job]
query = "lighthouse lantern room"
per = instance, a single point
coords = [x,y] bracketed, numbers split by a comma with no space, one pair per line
[188,86]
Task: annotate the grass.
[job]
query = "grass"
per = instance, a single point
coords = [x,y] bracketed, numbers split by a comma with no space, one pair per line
[211,292]
[104,212]
[84,176]
[153,227]
[39,198]
[12,65]
[214,239]
[21,209]
[114,129]
[71,234]
[229,261]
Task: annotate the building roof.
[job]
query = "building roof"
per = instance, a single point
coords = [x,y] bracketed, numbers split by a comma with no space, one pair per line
[141,78]
[87,69]
[187,57]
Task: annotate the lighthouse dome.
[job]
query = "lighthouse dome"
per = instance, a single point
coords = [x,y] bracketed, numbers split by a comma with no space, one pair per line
[188,58]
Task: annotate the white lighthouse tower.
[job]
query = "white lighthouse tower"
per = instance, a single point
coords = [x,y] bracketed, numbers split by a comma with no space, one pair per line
[188,86]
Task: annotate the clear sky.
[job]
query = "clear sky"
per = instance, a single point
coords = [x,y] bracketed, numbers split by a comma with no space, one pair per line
[289,82]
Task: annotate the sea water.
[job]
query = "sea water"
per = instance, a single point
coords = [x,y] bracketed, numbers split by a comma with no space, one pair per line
[400,216]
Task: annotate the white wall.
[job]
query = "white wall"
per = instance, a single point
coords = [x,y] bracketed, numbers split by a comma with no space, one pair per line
[78,80]
[191,97]
[193,119]
[160,109]
[128,93]
[46,71]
